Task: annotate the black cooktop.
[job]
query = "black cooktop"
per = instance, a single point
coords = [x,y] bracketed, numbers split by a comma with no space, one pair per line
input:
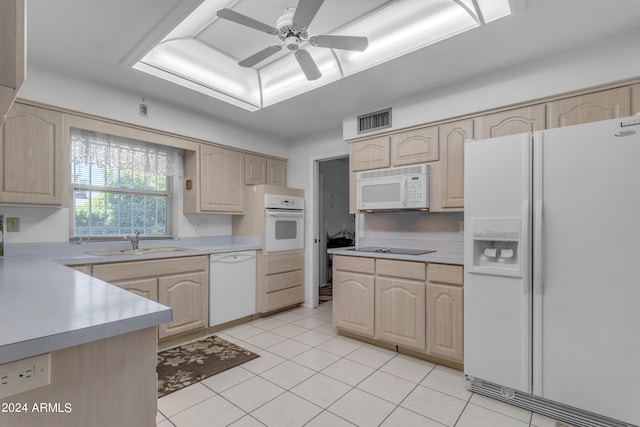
[398,251]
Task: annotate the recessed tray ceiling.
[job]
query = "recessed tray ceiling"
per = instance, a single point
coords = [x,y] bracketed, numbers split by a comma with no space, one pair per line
[202,52]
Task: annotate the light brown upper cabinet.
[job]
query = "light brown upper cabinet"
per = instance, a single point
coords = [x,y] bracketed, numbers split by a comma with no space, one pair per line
[276,172]
[403,148]
[255,169]
[511,122]
[12,52]
[370,153]
[635,99]
[264,170]
[35,156]
[414,146]
[592,107]
[214,178]
[452,138]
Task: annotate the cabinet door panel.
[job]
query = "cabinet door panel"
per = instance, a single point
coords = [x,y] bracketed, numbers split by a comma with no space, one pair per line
[415,146]
[35,157]
[452,138]
[445,321]
[222,180]
[370,154]
[511,122]
[276,172]
[353,304]
[400,312]
[186,294]
[604,105]
[147,288]
[255,169]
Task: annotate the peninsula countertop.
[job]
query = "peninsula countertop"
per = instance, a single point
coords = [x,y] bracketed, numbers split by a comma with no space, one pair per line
[46,306]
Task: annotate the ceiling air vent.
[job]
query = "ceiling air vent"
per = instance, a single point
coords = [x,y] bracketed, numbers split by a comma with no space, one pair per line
[374,121]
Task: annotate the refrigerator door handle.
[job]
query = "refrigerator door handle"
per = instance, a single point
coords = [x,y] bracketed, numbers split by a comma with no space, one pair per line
[537,245]
[525,247]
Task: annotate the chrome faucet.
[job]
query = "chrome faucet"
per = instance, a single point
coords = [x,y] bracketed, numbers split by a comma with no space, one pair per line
[135,241]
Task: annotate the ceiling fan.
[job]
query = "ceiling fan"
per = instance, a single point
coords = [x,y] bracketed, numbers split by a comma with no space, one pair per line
[291,28]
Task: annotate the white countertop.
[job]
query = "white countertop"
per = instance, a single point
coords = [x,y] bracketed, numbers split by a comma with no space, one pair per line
[46,306]
[442,256]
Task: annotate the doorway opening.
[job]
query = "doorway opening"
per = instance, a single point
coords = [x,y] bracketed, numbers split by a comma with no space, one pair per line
[335,225]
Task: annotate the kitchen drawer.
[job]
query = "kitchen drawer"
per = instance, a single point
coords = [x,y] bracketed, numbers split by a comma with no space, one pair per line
[283,262]
[285,298]
[157,267]
[354,263]
[277,282]
[404,269]
[445,273]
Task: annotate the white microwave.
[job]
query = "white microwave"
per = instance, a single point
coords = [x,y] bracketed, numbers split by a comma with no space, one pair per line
[404,187]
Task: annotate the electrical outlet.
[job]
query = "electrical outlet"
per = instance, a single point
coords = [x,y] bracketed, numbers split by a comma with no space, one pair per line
[25,374]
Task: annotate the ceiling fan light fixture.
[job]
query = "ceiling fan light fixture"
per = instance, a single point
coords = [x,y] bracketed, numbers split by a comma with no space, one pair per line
[292,43]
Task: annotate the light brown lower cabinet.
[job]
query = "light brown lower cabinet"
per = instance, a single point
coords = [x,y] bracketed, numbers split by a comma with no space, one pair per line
[401,303]
[445,311]
[280,280]
[179,283]
[354,294]
[413,305]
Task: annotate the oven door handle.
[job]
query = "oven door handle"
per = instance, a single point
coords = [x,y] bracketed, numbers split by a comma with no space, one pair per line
[283,213]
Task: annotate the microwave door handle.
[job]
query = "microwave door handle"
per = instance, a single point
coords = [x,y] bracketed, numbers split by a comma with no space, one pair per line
[405,186]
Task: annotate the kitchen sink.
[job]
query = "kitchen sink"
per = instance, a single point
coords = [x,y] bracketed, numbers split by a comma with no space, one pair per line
[137,251]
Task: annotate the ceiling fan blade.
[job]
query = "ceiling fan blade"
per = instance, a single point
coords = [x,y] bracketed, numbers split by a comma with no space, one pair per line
[306,11]
[241,19]
[257,57]
[308,65]
[340,42]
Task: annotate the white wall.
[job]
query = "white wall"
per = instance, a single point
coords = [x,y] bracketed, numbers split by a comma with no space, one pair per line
[63,91]
[302,156]
[38,224]
[598,64]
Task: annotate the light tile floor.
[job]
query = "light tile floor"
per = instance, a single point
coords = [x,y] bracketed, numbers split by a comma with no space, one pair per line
[307,375]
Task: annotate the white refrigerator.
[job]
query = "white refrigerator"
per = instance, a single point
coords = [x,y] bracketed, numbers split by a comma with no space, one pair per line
[552,271]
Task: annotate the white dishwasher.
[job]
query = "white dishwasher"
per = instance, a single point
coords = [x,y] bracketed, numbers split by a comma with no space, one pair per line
[232,286]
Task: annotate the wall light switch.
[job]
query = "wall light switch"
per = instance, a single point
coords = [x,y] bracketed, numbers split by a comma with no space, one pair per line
[13,225]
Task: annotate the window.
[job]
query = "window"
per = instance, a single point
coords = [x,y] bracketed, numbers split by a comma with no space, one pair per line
[121,186]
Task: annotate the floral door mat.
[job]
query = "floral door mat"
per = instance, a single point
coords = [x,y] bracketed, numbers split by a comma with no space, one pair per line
[185,365]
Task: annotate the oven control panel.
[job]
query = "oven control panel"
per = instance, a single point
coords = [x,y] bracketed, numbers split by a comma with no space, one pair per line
[277,201]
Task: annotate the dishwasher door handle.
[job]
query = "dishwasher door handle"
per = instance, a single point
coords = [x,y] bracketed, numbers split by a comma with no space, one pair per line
[230,258]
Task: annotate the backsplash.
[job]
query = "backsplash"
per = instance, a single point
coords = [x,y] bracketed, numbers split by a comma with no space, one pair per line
[410,229]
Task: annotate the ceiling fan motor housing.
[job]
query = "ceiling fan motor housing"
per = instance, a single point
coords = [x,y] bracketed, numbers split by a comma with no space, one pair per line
[289,32]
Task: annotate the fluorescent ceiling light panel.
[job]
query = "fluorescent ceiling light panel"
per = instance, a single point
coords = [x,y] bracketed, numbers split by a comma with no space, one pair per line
[396,28]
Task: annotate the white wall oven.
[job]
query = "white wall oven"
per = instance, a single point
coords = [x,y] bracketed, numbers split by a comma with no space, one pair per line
[284,227]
